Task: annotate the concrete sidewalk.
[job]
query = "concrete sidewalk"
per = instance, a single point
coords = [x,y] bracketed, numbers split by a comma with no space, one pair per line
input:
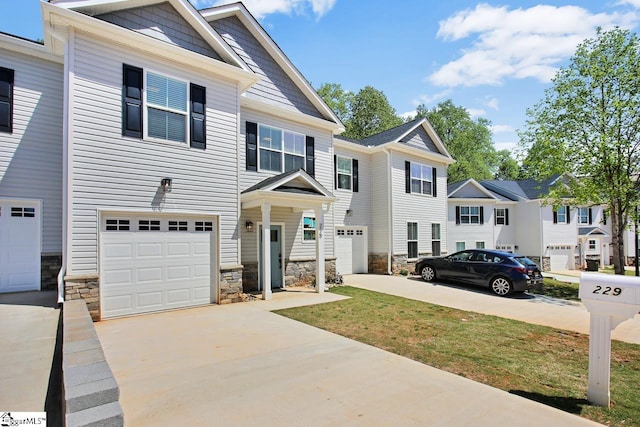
[536,309]
[242,365]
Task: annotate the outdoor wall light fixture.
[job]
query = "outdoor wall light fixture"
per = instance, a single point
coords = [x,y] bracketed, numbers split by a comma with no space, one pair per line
[248,226]
[349,212]
[166,185]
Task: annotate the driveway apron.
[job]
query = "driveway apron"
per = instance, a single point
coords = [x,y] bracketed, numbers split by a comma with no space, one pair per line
[242,365]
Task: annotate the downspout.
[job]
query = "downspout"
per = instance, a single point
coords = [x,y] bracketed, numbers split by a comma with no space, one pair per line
[66,125]
[541,236]
[389,211]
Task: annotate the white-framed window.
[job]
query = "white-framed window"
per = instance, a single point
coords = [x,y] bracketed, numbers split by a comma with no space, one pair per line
[501,216]
[204,225]
[562,215]
[166,107]
[479,245]
[308,228]
[460,246]
[435,239]
[149,225]
[178,225]
[280,150]
[593,244]
[421,178]
[469,214]
[583,215]
[412,240]
[345,173]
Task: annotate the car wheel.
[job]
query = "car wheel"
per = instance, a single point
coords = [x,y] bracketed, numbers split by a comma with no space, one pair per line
[428,273]
[501,286]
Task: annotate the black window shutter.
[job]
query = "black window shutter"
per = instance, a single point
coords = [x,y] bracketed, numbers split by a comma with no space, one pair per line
[131,101]
[354,166]
[433,182]
[407,177]
[555,216]
[457,214]
[604,217]
[590,216]
[506,217]
[481,214]
[568,216]
[311,160]
[198,116]
[495,216]
[6,100]
[252,146]
[335,171]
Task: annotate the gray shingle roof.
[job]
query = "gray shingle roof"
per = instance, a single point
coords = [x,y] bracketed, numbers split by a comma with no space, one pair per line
[383,137]
[526,189]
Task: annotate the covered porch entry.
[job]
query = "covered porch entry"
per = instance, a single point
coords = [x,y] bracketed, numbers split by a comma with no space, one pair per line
[272,218]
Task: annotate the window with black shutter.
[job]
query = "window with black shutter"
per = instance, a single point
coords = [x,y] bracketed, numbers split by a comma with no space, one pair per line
[310,155]
[252,146]
[132,101]
[6,100]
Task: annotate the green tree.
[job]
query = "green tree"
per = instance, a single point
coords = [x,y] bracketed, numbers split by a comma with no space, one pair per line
[337,99]
[507,167]
[371,113]
[588,124]
[468,140]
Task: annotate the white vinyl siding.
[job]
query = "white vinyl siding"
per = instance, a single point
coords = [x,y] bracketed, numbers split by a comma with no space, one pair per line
[379,231]
[31,156]
[112,171]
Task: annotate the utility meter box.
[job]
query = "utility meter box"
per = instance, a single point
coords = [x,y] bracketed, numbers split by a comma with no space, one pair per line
[610,299]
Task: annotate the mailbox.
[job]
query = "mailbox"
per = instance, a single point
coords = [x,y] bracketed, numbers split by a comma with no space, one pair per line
[610,299]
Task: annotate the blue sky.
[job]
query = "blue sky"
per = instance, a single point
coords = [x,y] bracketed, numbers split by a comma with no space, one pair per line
[493,58]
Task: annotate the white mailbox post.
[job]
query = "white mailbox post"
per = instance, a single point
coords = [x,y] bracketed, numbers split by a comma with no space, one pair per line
[610,299]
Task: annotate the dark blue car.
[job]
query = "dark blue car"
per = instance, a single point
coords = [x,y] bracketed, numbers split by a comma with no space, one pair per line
[503,272]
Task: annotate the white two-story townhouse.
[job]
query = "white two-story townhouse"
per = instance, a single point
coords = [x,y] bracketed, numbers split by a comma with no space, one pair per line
[513,216]
[150,150]
[391,198]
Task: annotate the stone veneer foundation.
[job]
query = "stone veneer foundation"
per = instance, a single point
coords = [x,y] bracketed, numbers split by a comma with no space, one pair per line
[297,272]
[50,264]
[86,287]
[231,284]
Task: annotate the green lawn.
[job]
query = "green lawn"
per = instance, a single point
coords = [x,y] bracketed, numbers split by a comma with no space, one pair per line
[557,289]
[540,363]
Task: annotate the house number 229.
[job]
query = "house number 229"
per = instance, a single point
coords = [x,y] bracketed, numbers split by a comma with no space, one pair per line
[607,290]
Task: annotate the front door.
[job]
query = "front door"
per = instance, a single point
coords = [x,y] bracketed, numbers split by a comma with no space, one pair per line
[275,246]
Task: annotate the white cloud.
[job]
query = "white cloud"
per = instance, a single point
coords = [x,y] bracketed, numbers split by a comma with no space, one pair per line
[491,102]
[634,3]
[408,114]
[518,43]
[502,128]
[511,146]
[262,8]
[476,112]
[427,99]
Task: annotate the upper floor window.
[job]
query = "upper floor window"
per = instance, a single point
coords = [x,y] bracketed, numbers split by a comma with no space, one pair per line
[584,216]
[174,110]
[501,216]
[6,100]
[469,215]
[280,148]
[412,239]
[421,179]
[346,173]
[561,215]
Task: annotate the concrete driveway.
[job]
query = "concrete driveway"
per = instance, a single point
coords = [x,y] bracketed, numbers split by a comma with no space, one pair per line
[241,365]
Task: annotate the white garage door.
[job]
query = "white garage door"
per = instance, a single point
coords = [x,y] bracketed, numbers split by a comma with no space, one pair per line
[561,259]
[154,269]
[19,245]
[351,250]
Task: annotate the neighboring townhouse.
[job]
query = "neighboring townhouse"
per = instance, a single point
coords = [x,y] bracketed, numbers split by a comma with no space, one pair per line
[512,216]
[151,151]
[391,206]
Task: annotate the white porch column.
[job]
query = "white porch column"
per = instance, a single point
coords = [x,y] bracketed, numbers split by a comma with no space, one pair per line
[266,251]
[320,279]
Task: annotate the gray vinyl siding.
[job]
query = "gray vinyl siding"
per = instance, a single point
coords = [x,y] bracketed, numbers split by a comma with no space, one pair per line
[118,173]
[423,209]
[469,192]
[358,202]
[161,22]
[418,138]
[379,231]
[323,168]
[31,156]
[275,86]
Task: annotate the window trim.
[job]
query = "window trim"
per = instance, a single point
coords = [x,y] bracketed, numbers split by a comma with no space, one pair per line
[282,151]
[595,244]
[305,228]
[562,210]
[464,246]
[501,219]
[438,240]
[146,105]
[338,173]
[587,216]
[421,179]
[9,99]
[481,242]
[413,241]
[462,215]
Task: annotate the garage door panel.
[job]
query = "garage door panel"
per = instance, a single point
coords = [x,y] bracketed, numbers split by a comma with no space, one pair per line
[153,271]
[351,250]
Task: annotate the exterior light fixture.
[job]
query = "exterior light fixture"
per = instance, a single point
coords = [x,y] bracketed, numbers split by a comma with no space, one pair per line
[248,226]
[349,212]
[165,183]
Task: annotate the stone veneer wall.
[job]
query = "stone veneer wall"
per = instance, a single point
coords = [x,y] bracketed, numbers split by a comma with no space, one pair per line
[378,264]
[86,288]
[297,272]
[231,284]
[50,264]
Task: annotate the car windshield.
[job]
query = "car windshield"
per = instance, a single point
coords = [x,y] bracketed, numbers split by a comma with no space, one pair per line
[526,262]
